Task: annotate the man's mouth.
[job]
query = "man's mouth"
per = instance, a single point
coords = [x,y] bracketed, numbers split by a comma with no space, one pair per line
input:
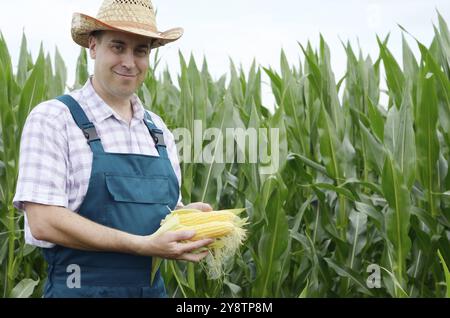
[125,75]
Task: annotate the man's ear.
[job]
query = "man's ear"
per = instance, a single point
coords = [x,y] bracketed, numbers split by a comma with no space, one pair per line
[92,47]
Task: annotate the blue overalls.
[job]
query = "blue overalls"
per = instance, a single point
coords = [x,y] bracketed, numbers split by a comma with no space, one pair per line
[128,192]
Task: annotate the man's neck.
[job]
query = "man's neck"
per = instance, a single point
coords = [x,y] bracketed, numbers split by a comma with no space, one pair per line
[121,106]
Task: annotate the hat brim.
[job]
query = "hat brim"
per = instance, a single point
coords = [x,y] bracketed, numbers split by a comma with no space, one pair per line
[83,25]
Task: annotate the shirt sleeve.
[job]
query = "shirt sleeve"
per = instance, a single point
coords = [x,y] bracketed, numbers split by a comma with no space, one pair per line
[42,161]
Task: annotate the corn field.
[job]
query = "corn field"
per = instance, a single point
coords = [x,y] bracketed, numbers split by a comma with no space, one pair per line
[362,188]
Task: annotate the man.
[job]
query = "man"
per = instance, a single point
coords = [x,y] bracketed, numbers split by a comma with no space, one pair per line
[98,172]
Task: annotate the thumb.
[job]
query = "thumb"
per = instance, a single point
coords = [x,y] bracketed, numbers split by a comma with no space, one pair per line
[205,207]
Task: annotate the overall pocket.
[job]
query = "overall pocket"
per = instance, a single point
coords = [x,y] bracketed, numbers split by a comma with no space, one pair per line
[138,189]
[137,203]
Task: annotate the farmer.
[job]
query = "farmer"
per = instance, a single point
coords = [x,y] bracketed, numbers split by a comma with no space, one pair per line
[98,172]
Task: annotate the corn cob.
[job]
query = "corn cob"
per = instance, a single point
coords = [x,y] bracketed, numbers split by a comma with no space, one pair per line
[225,227]
[205,217]
[185,211]
[212,229]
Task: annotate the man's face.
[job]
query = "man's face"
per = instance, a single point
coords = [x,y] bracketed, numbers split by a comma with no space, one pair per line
[121,62]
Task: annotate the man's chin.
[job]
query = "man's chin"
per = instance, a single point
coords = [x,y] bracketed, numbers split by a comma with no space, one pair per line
[126,88]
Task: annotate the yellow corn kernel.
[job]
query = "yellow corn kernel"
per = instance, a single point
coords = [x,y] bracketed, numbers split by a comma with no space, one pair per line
[213,229]
[205,217]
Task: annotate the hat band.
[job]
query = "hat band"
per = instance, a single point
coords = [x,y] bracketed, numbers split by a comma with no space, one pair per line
[134,25]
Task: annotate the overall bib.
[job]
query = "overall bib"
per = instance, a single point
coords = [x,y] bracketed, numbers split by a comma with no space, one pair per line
[128,192]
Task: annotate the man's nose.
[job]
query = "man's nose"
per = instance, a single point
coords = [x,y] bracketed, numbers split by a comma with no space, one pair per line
[128,59]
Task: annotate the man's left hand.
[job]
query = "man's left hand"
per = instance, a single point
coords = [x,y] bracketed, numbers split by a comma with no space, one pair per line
[205,207]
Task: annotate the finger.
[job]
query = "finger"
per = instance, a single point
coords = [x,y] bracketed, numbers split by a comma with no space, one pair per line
[194,257]
[181,235]
[190,246]
[199,206]
[205,207]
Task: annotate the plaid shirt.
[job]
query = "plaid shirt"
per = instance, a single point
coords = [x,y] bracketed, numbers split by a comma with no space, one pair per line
[55,159]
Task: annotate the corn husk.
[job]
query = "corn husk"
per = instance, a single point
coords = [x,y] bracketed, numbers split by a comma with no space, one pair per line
[223,247]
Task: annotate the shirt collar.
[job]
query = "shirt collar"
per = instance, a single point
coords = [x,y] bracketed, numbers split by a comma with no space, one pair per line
[101,111]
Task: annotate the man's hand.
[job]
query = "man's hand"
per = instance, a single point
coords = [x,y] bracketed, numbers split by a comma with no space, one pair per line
[205,207]
[168,245]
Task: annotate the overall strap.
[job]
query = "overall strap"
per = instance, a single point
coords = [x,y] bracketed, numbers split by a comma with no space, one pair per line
[83,122]
[157,135]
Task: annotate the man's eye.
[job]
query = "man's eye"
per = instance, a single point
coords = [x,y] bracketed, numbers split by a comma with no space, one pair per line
[117,48]
[142,52]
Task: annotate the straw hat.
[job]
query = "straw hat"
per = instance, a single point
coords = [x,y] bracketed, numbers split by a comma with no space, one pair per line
[133,16]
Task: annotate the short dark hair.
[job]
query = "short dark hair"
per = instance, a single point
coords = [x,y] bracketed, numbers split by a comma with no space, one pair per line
[97,34]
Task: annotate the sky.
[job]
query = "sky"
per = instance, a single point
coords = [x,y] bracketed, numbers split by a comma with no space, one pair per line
[243,30]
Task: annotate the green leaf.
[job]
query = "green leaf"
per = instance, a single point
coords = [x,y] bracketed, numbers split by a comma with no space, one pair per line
[410,65]
[399,139]
[304,293]
[375,150]
[308,162]
[341,190]
[369,210]
[24,288]
[447,274]
[214,153]
[33,92]
[376,121]
[427,144]
[235,289]
[394,75]
[273,243]
[156,263]
[22,67]
[191,276]
[329,144]
[397,217]
[397,284]
[81,74]
[60,73]
[344,271]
